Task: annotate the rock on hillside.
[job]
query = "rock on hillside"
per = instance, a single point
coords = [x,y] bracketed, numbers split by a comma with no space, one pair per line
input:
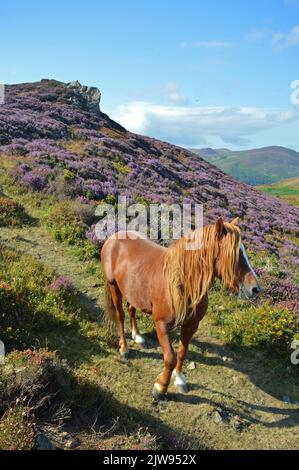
[62,143]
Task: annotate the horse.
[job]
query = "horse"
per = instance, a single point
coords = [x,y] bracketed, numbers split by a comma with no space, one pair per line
[172,283]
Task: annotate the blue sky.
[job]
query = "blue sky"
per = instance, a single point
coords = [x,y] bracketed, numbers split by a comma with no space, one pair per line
[196,73]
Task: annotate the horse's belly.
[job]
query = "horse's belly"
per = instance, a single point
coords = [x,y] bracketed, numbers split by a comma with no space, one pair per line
[138,296]
[135,289]
[133,265]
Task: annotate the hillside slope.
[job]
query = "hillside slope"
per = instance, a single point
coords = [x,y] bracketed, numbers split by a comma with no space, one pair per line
[238,396]
[258,166]
[58,141]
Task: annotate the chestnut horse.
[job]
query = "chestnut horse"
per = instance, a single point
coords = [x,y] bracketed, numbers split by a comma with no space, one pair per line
[172,284]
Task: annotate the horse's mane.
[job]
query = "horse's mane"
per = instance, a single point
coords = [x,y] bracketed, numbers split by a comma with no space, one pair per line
[189,273]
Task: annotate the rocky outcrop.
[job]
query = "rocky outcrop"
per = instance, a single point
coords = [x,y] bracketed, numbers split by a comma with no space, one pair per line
[87,98]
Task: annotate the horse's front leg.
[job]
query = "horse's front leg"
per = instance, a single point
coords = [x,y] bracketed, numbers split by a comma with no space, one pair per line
[187,331]
[162,383]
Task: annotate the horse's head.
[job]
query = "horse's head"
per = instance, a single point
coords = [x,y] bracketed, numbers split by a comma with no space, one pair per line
[232,265]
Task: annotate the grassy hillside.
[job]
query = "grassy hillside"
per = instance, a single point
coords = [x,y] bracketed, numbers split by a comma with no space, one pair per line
[255,167]
[55,140]
[243,389]
[288,190]
[62,384]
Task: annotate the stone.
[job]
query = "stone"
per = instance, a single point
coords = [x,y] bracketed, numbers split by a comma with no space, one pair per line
[191,366]
[217,417]
[227,359]
[85,97]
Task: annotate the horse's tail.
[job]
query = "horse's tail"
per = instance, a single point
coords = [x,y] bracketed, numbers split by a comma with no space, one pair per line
[110,312]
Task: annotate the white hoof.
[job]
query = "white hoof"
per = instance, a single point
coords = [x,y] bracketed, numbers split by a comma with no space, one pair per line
[179,379]
[138,338]
[180,382]
[157,393]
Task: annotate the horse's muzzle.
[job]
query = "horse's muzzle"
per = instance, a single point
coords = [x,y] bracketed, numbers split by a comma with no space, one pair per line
[250,292]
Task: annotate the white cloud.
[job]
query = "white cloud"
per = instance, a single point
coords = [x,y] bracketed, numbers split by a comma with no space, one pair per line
[292,38]
[194,126]
[206,44]
[277,39]
[168,92]
[172,94]
[254,36]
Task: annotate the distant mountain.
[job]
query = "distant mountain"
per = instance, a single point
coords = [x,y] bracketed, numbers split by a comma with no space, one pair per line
[288,190]
[259,166]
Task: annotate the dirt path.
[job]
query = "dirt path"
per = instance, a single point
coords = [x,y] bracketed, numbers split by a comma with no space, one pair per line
[35,241]
[236,396]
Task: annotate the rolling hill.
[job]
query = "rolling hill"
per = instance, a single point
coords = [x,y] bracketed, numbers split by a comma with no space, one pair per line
[58,141]
[255,167]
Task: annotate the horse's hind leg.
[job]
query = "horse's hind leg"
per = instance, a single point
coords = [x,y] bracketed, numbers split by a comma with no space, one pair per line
[120,316]
[134,327]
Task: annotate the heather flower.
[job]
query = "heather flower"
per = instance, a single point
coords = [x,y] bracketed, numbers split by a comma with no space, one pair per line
[43,126]
[61,283]
[36,182]
[91,235]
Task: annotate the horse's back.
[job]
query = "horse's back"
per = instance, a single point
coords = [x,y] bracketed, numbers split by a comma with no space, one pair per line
[131,261]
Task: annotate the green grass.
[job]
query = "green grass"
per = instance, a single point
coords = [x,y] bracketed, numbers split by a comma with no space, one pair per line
[288,190]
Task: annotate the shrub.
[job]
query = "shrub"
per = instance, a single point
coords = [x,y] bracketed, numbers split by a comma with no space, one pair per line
[15,316]
[69,174]
[31,299]
[291,305]
[86,250]
[121,167]
[62,294]
[268,262]
[61,284]
[11,213]
[263,326]
[68,222]
[34,385]
[34,181]
[16,429]
[110,199]
[279,290]
[31,373]
[27,276]
[64,223]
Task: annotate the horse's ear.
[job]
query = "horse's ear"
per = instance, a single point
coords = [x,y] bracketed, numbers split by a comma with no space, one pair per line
[235,221]
[220,228]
